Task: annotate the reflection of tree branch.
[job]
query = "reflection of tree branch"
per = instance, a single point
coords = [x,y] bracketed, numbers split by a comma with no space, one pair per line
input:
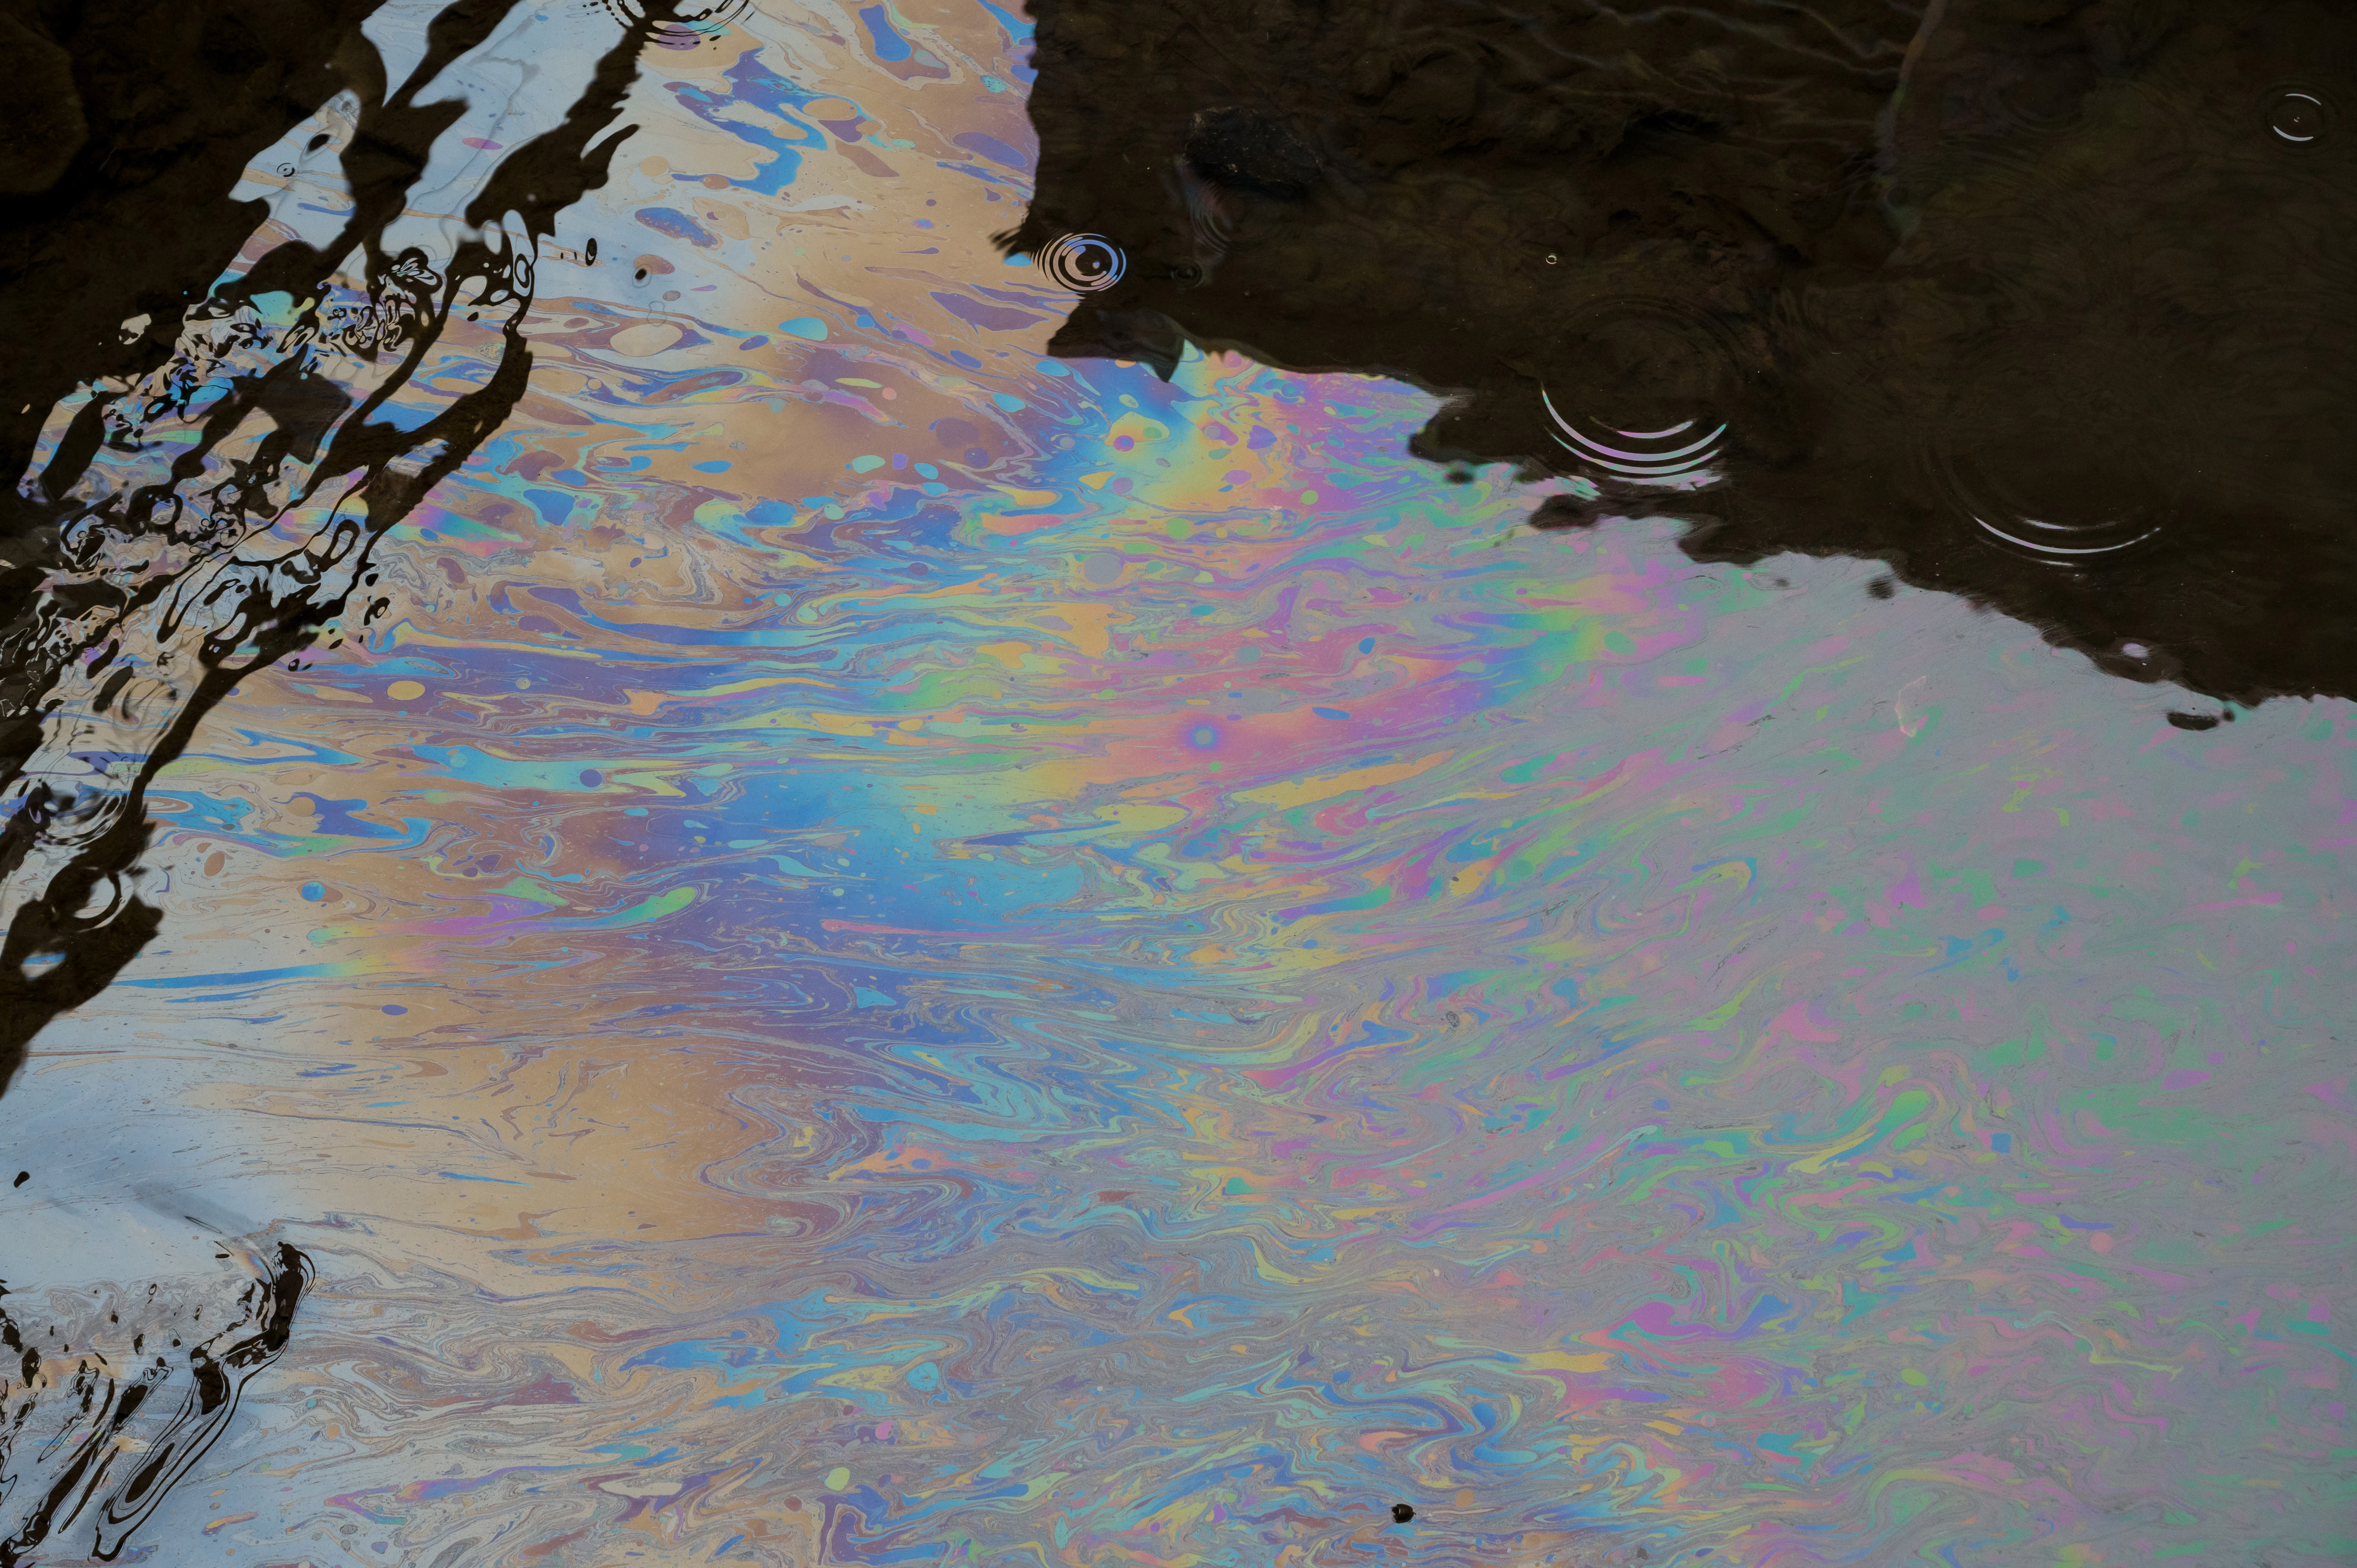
[80,1426]
[167,495]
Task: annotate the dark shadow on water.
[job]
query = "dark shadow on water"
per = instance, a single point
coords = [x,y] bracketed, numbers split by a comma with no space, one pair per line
[2051,303]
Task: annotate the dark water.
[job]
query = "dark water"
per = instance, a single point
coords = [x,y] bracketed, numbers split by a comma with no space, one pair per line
[2049,303]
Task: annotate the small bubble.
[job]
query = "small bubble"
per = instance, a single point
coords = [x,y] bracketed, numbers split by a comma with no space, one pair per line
[1550,258]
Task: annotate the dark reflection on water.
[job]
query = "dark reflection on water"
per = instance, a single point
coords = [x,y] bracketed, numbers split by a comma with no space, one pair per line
[2048,302]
